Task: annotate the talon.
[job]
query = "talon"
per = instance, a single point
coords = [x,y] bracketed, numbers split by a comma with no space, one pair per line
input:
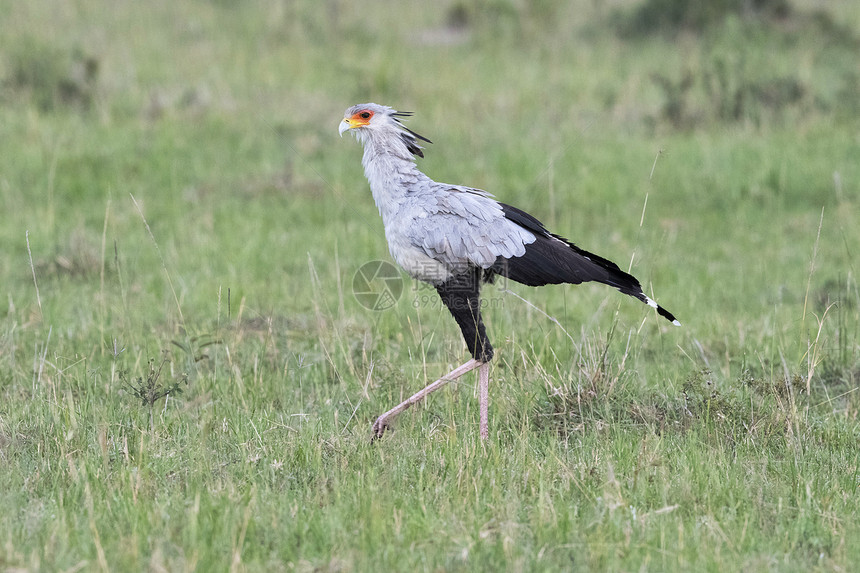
[378,428]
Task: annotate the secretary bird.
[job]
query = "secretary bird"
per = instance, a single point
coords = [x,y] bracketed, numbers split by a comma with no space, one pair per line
[456,237]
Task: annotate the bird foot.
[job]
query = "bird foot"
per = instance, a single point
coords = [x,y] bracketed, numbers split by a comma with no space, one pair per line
[378,428]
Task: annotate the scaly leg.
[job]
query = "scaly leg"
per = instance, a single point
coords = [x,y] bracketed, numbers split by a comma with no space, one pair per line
[381,423]
[484,392]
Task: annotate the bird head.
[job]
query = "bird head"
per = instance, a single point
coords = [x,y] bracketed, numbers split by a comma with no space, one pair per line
[373,121]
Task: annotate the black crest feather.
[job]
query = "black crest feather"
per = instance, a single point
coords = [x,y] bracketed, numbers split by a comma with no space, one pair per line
[410,138]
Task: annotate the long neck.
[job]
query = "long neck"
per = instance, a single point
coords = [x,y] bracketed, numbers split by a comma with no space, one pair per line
[391,171]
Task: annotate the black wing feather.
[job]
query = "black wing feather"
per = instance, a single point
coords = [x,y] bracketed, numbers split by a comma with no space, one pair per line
[552,259]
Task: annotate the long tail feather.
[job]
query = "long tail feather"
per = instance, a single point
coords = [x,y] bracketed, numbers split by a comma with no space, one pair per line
[554,260]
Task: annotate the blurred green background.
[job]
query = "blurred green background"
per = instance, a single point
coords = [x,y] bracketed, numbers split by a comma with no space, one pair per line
[188,382]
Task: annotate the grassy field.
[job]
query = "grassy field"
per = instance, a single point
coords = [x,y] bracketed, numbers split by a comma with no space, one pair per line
[187,381]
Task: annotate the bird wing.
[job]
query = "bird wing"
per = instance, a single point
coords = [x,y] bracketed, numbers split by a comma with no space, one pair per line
[464,226]
[552,259]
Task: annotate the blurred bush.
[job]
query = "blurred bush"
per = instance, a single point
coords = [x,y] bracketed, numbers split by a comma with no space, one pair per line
[730,73]
[729,90]
[49,76]
[695,15]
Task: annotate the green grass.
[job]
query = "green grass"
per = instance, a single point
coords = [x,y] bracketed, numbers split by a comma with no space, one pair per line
[172,187]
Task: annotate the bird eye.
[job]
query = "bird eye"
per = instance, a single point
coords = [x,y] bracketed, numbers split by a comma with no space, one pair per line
[365,115]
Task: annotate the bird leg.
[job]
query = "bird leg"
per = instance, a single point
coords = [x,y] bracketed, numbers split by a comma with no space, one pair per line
[381,423]
[484,393]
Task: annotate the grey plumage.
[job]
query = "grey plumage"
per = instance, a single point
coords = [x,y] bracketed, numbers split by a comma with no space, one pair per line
[453,237]
[435,230]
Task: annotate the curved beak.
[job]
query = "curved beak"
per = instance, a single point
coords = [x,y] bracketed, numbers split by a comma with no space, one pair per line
[344,125]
